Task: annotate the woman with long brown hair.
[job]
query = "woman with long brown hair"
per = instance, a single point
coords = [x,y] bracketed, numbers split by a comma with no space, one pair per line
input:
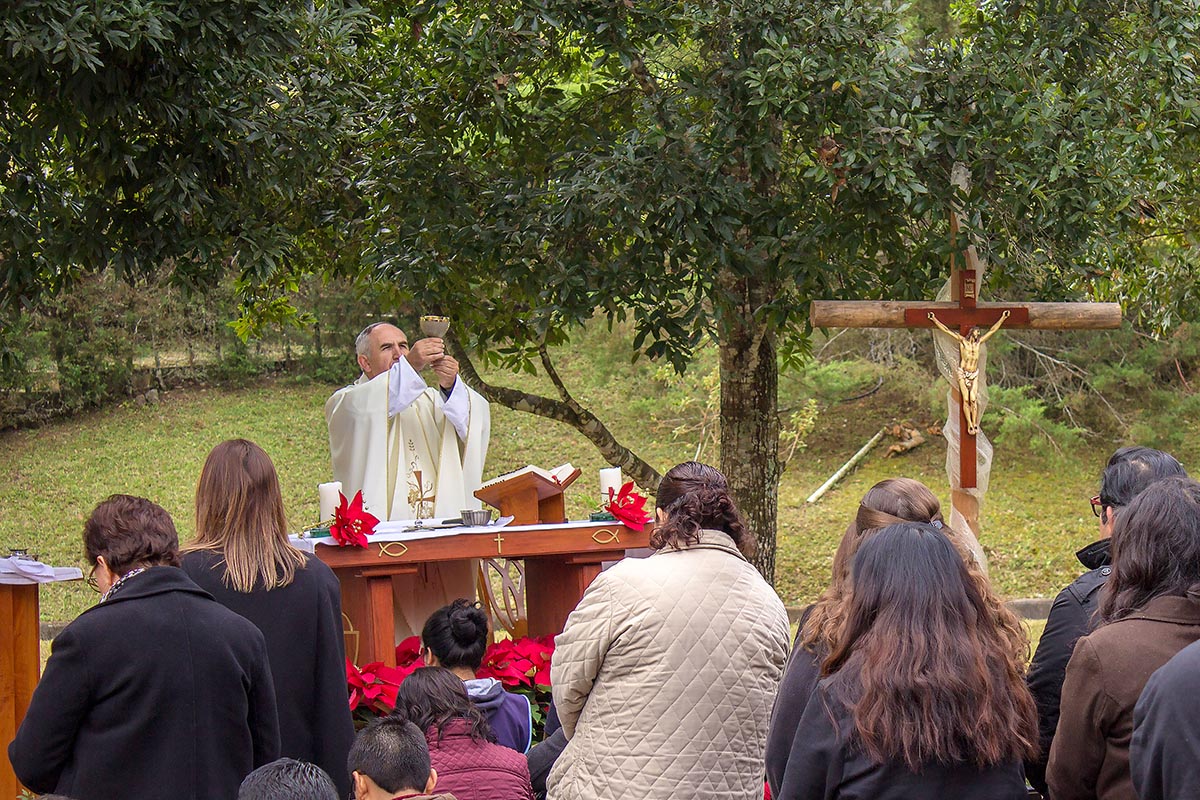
[889,502]
[924,698]
[1149,611]
[242,557]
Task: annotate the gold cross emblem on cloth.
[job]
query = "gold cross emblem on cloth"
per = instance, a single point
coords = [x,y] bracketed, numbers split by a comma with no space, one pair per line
[419,497]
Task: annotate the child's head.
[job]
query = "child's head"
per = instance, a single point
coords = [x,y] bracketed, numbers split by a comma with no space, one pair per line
[390,757]
[455,636]
[287,779]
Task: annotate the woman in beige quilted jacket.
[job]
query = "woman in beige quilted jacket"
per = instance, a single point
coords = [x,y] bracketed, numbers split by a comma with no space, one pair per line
[666,671]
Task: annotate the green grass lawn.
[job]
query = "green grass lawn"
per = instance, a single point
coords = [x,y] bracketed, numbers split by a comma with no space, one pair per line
[1035,515]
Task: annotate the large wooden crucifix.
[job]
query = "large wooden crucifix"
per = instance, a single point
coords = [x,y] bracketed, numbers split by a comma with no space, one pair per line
[962,318]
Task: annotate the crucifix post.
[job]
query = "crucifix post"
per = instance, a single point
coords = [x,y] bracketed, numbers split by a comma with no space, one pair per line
[962,318]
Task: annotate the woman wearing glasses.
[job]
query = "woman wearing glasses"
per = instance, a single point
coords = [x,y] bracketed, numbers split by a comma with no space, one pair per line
[1148,613]
[242,557]
[1128,472]
[157,691]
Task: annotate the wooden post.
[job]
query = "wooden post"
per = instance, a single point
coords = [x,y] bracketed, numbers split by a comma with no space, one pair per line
[20,666]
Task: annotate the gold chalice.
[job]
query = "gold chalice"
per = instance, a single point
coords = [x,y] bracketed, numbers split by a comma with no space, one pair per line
[435,326]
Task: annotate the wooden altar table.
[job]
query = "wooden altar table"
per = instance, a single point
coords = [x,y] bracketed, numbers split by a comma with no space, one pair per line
[560,563]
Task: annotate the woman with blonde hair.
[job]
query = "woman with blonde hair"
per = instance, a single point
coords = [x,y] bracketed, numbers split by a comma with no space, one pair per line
[889,502]
[242,557]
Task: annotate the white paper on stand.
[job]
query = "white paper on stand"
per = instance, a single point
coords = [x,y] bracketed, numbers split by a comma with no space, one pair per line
[22,571]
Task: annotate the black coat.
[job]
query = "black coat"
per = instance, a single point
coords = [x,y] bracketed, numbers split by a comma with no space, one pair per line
[1069,620]
[799,682]
[824,766]
[158,693]
[302,624]
[1164,755]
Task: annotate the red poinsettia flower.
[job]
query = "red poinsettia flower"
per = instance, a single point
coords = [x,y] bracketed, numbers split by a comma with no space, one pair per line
[524,662]
[408,651]
[351,523]
[374,686]
[629,507]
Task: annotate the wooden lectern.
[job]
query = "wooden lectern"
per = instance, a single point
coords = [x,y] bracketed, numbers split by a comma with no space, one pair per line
[529,498]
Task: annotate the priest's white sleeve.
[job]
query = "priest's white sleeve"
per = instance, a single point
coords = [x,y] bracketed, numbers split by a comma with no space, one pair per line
[457,408]
[405,385]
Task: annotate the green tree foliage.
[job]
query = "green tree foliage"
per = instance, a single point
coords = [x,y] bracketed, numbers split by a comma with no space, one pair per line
[147,135]
[703,170]
[707,169]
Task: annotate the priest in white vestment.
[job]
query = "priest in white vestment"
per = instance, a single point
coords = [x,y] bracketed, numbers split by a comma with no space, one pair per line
[415,452]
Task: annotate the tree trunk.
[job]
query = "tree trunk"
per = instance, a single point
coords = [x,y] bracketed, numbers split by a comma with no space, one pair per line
[750,431]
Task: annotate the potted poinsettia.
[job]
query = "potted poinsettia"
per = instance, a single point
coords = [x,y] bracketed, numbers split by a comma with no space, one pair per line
[373,689]
[351,522]
[521,665]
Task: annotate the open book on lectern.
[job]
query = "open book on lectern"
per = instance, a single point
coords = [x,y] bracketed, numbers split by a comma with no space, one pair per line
[531,494]
[562,475]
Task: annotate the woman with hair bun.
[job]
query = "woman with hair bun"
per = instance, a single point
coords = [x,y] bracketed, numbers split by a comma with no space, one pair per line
[455,637]
[888,502]
[924,699]
[665,673]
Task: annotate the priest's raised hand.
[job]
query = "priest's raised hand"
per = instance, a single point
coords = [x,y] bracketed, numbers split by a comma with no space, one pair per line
[426,353]
[446,369]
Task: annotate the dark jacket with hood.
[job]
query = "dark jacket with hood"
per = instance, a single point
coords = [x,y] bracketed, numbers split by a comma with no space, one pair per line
[1069,620]
[508,714]
[158,693]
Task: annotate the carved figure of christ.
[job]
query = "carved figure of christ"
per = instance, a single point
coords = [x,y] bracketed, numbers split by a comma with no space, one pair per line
[968,366]
[960,318]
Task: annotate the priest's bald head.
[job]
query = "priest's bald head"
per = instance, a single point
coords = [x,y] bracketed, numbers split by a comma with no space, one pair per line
[379,346]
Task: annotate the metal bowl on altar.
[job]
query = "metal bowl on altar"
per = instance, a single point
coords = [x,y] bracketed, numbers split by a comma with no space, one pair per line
[475,518]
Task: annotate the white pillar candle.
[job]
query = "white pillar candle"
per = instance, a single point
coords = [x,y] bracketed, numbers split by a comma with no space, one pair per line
[610,479]
[330,499]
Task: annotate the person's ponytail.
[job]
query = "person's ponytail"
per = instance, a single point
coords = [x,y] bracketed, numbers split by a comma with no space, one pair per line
[696,496]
